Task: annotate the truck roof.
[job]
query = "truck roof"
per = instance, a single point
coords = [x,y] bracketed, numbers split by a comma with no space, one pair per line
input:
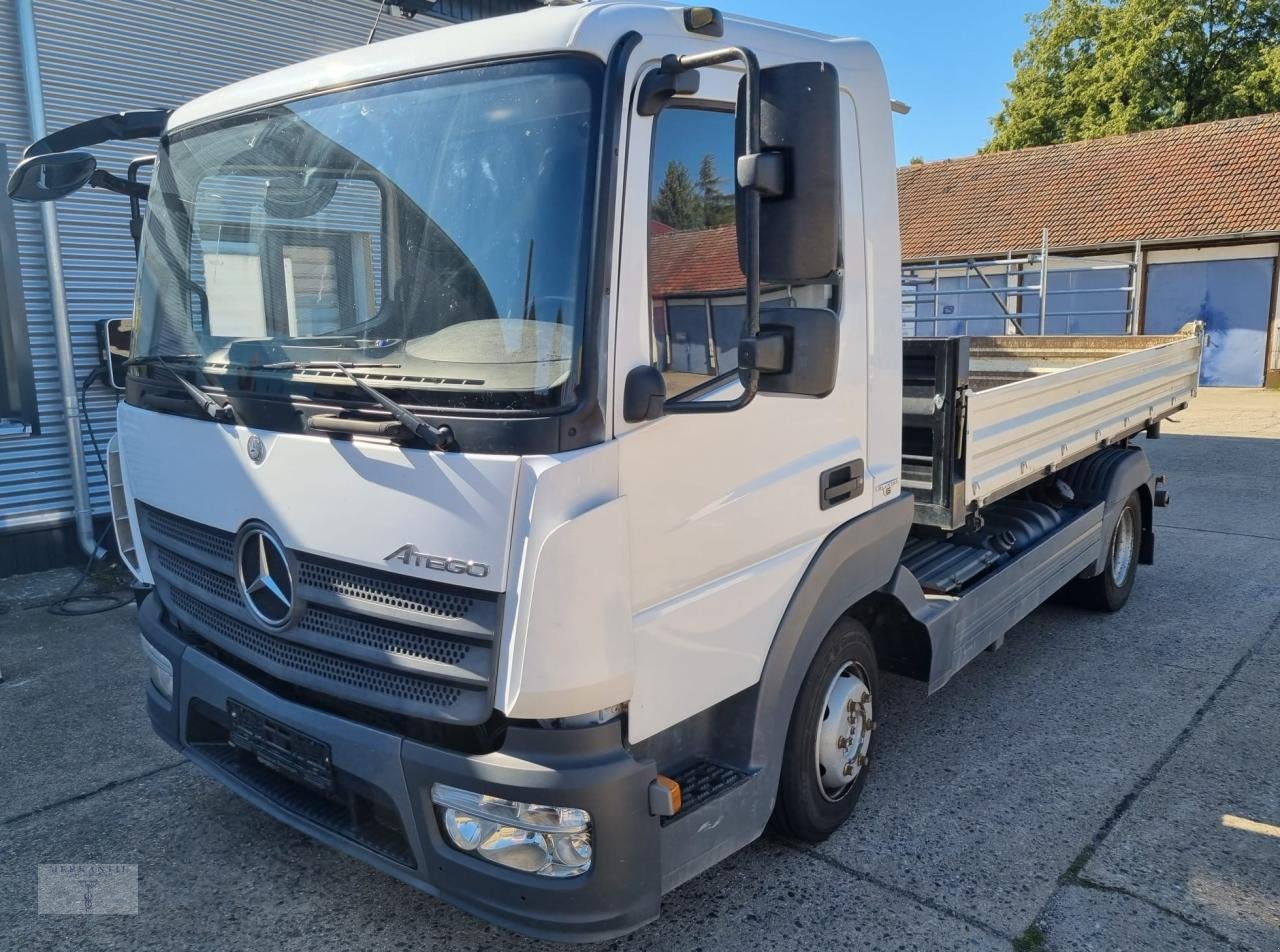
[588,27]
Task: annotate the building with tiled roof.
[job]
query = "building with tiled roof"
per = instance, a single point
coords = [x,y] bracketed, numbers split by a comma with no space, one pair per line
[1195,209]
[1213,181]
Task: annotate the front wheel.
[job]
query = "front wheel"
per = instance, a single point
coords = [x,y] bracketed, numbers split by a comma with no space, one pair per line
[1110,590]
[825,763]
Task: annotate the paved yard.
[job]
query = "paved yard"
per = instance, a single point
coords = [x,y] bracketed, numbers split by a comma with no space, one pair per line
[1100,783]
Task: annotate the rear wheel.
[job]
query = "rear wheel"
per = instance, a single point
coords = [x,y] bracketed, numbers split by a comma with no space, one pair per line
[825,763]
[1110,590]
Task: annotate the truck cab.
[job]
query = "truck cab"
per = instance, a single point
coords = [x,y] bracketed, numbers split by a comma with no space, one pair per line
[512,450]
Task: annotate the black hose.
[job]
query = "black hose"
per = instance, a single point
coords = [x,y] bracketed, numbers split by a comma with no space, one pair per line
[98,602]
[88,422]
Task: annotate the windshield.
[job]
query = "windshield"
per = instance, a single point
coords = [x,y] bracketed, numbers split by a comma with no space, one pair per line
[433,226]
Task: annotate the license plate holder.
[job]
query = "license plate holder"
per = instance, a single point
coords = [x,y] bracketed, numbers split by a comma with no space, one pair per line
[281,748]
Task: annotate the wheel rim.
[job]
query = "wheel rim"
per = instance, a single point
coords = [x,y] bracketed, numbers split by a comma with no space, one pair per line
[844,731]
[1122,547]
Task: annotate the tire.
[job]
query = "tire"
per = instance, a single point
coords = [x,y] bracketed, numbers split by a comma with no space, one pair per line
[814,797]
[1109,591]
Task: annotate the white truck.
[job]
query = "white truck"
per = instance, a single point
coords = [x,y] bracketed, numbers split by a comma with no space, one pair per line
[525,467]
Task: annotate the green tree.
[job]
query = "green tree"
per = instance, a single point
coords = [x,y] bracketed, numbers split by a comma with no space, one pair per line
[717,207]
[1102,67]
[677,203]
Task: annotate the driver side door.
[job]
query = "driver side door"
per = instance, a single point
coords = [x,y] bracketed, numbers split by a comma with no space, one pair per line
[724,507]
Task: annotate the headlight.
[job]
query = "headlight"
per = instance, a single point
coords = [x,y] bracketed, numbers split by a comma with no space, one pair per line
[548,841]
[160,667]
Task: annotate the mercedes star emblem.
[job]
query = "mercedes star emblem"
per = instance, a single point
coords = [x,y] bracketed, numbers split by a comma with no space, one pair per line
[255,448]
[265,577]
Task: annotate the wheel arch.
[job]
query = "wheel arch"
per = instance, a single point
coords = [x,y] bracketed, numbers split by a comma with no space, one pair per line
[855,561]
[902,642]
[1111,476]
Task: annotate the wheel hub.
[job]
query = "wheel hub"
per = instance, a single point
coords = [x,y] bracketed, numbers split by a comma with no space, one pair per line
[1122,547]
[844,731]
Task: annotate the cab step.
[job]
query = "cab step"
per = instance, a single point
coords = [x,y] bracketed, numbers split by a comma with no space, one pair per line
[701,782]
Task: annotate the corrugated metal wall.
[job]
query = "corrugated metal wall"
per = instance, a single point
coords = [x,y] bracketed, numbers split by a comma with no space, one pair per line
[106,57]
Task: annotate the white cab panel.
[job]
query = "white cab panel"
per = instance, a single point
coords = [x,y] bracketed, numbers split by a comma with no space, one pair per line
[354,501]
[579,652]
[566,648]
[708,644]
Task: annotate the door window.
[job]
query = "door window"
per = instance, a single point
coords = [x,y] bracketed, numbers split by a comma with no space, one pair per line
[693,247]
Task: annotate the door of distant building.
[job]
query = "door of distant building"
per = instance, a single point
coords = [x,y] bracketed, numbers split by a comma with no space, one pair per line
[1230,289]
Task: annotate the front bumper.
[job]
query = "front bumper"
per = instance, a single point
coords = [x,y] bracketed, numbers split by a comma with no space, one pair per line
[387,818]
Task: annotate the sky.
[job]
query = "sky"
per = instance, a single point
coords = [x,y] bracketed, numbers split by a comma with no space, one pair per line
[947,59]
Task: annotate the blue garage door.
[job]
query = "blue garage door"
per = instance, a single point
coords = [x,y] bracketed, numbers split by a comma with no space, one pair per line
[1232,297]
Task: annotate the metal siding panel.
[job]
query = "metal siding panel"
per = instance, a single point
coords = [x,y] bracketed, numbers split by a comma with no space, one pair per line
[131,54]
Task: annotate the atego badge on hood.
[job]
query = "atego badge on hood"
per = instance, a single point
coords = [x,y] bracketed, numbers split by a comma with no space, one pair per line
[410,554]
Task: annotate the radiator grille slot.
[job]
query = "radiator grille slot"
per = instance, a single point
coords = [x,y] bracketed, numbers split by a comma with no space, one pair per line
[194,536]
[384,591]
[384,638]
[197,576]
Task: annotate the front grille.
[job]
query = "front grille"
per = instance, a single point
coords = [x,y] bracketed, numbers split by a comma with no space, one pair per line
[316,669]
[400,645]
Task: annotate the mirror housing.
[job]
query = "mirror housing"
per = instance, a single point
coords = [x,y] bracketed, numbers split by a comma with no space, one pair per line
[797,173]
[643,395]
[115,339]
[47,178]
[808,342]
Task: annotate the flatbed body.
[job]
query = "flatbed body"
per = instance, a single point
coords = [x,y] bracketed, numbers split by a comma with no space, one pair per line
[986,416]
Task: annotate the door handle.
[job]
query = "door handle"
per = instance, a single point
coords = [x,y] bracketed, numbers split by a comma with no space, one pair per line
[840,484]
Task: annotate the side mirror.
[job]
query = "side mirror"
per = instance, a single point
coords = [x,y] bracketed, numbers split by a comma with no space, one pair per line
[115,337]
[788,213]
[797,173]
[643,395]
[797,351]
[46,178]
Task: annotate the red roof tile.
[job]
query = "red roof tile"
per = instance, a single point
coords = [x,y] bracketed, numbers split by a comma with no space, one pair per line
[1207,180]
[702,261]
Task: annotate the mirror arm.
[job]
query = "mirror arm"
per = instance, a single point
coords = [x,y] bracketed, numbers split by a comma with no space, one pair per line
[750,377]
[144,124]
[113,183]
[661,84]
[135,200]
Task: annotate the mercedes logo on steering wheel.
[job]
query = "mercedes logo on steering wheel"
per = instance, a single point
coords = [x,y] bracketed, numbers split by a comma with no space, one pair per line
[265,576]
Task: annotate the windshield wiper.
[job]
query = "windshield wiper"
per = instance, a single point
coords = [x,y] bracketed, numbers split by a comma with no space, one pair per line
[436,437]
[148,359]
[221,412]
[318,365]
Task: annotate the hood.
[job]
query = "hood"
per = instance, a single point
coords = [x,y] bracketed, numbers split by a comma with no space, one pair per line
[386,507]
